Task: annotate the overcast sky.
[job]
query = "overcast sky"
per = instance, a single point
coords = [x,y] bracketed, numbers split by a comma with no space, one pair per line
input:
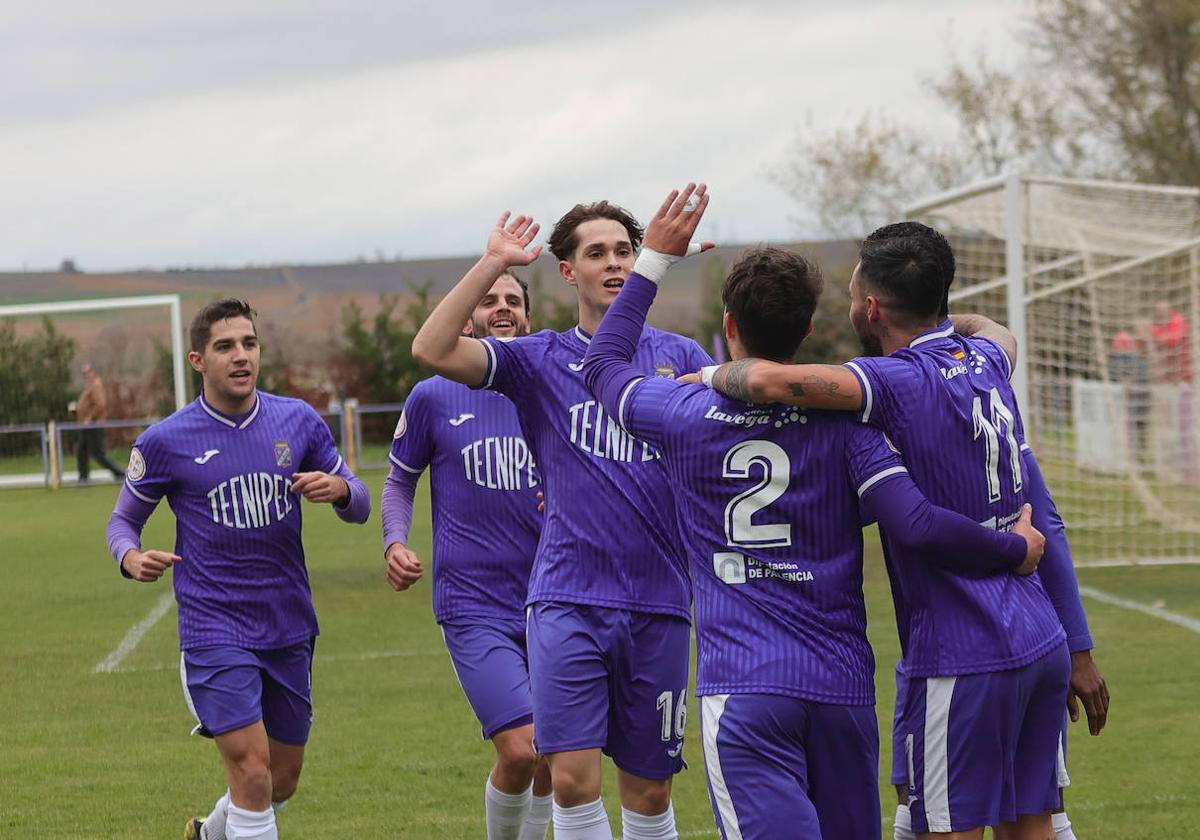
[143,133]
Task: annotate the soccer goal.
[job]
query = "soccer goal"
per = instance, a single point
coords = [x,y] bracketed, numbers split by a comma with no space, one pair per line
[134,344]
[1100,283]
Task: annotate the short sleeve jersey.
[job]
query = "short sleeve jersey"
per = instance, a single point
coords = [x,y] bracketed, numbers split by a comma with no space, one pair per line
[769,497]
[242,580]
[946,402]
[611,534]
[484,487]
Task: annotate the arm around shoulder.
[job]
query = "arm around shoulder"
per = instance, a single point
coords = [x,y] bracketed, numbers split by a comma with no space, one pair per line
[831,387]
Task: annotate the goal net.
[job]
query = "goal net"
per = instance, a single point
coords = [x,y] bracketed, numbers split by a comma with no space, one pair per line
[133,344]
[1100,282]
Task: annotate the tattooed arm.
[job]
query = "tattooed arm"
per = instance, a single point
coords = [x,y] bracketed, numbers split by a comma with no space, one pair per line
[808,386]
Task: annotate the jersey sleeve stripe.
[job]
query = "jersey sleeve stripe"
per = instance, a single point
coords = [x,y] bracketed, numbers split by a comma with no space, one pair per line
[878,477]
[401,464]
[868,396]
[1004,355]
[621,403]
[140,495]
[490,374]
[337,464]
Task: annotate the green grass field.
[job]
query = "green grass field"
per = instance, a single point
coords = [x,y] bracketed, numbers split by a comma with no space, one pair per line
[395,750]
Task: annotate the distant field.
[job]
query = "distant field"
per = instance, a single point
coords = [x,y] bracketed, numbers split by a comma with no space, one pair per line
[395,749]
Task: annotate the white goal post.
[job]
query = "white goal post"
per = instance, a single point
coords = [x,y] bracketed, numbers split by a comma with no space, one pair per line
[1100,283]
[98,327]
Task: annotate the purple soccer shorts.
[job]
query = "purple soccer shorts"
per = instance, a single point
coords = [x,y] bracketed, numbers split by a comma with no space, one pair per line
[492,667]
[785,767]
[227,688]
[610,679]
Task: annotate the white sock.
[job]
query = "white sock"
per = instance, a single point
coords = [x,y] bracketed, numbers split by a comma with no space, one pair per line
[537,821]
[279,806]
[1062,826]
[214,824]
[902,826]
[640,827]
[250,825]
[504,812]
[583,822]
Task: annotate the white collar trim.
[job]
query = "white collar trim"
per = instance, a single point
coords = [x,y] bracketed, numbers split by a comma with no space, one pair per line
[216,415]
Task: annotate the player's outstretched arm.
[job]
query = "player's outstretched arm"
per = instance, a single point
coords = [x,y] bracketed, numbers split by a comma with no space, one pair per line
[1058,577]
[831,387]
[608,368]
[125,536]
[949,538]
[439,345]
[403,566]
[980,326]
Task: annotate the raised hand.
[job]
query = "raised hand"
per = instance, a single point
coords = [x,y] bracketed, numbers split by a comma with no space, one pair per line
[671,229]
[509,240]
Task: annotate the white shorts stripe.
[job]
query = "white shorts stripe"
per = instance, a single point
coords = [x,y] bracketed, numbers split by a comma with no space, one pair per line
[187,695]
[1064,779]
[936,787]
[712,706]
[878,477]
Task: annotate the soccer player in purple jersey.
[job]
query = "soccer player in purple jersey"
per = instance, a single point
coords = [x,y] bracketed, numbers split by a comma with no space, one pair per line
[1087,683]
[945,400]
[609,595]
[233,465]
[485,531]
[773,501]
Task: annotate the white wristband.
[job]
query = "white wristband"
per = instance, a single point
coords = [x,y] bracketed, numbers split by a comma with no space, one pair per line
[706,374]
[653,265]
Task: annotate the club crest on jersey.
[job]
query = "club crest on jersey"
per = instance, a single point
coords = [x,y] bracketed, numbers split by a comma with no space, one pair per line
[664,371]
[401,427]
[283,453]
[137,465]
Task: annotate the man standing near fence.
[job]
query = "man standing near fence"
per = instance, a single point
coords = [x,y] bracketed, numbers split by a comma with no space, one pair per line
[92,407]
[486,525]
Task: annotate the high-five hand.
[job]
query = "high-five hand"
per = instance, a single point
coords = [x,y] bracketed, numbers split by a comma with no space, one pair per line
[508,240]
[671,229]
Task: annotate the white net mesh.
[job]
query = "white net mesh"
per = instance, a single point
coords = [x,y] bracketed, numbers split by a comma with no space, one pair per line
[1112,297]
[43,350]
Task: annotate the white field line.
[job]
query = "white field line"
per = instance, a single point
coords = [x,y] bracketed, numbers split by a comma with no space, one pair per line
[1184,621]
[332,657]
[135,634]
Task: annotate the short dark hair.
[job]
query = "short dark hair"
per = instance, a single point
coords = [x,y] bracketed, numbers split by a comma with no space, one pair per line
[939,243]
[563,241]
[771,295]
[524,286]
[219,310]
[906,272]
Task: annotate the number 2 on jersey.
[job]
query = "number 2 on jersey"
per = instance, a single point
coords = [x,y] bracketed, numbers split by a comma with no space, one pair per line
[776,469]
[990,425]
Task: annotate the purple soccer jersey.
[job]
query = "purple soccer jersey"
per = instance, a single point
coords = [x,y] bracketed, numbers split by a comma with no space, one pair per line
[610,536]
[242,580]
[484,487]
[770,498]
[946,402]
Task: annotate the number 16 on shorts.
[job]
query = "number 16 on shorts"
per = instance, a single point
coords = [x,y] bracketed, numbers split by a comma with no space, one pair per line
[674,719]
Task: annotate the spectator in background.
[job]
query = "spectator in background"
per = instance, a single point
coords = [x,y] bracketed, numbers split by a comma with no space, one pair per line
[1127,365]
[91,407]
[1172,354]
